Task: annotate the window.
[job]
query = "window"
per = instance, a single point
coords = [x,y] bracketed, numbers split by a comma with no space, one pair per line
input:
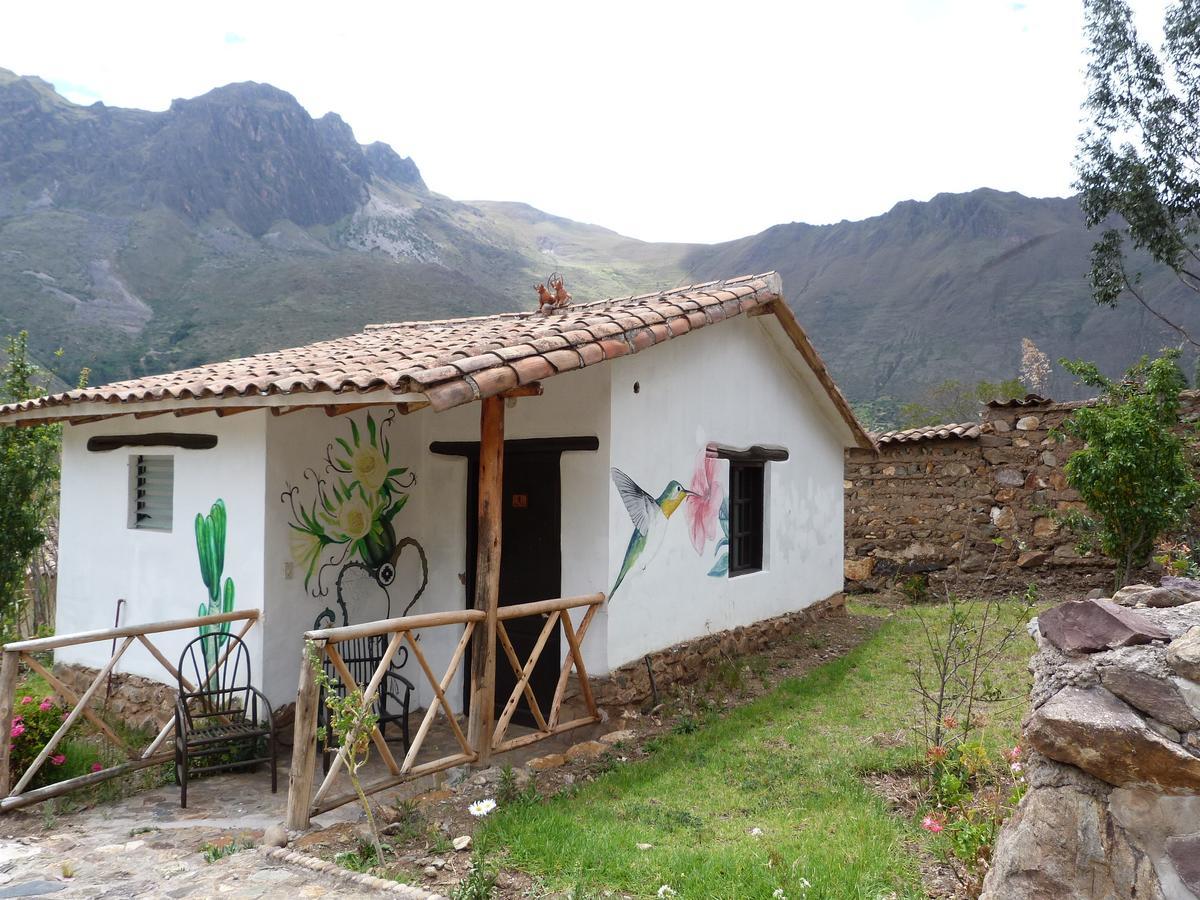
[745,516]
[151,492]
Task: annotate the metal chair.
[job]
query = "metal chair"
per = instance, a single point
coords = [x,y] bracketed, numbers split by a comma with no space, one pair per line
[362,657]
[219,716]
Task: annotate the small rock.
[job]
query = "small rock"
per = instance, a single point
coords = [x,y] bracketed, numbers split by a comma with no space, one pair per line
[1011,477]
[1184,853]
[1028,423]
[1095,593]
[275,836]
[1159,698]
[462,842]
[1130,594]
[624,736]
[429,872]
[584,750]
[1165,730]
[858,569]
[32,889]
[1032,558]
[549,761]
[438,863]
[1183,654]
[643,846]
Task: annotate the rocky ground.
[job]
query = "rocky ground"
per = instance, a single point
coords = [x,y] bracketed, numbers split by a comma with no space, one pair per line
[145,846]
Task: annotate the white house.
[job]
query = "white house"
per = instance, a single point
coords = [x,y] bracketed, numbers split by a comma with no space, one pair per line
[683,454]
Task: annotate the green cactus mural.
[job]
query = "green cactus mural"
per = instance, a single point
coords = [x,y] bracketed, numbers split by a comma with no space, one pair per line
[210,546]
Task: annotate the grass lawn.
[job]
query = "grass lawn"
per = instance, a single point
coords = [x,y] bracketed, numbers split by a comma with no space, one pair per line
[789,763]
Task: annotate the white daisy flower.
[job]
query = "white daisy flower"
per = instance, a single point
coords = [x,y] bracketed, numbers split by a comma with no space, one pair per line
[665,891]
[481,808]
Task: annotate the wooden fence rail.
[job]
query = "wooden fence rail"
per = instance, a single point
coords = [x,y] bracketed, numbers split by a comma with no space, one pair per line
[21,653]
[303,803]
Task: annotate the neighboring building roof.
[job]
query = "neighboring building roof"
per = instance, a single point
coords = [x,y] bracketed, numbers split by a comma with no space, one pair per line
[967,431]
[1027,400]
[446,363]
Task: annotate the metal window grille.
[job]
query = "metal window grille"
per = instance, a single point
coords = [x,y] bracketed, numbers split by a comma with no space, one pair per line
[745,517]
[152,492]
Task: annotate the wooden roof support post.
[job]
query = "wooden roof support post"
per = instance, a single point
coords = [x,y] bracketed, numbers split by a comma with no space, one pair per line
[482,719]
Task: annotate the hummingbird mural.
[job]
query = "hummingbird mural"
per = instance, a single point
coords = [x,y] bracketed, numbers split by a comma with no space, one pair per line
[649,515]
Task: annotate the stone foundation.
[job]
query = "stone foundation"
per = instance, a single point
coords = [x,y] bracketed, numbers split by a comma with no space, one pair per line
[690,660]
[138,702]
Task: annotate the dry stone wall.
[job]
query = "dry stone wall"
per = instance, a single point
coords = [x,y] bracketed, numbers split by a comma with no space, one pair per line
[937,505]
[138,702]
[1113,805]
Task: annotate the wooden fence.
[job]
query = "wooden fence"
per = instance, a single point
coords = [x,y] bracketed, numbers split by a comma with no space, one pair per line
[303,804]
[24,653]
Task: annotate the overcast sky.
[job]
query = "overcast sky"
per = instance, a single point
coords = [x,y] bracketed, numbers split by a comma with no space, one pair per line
[663,120]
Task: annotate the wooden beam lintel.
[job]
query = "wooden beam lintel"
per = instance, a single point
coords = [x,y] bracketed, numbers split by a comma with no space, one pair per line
[533,389]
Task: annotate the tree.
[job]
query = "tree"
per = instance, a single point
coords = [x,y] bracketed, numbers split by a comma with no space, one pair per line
[954,401]
[28,482]
[1139,157]
[1133,470]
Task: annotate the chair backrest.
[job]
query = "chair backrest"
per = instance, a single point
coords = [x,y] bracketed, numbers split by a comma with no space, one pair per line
[361,656]
[218,669]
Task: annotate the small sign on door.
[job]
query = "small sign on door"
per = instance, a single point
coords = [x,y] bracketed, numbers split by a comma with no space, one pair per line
[520,501]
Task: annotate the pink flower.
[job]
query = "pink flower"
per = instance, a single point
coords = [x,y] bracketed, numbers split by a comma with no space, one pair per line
[45,704]
[929,823]
[704,501]
[58,759]
[17,730]
[1014,754]
[96,767]
[26,699]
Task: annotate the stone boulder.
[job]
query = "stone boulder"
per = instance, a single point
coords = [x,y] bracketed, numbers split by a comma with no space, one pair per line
[1183,654]
[1128,595]
[1061,843]
[1085,626]
[1091,729]
[1156,695]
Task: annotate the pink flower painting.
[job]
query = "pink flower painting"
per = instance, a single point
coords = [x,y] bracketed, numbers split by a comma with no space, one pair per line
[704,501]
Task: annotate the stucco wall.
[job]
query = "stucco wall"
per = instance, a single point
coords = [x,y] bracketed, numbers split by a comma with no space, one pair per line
[102,559]
[736,385]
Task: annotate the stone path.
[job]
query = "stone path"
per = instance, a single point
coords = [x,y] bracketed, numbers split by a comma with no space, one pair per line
[146,846]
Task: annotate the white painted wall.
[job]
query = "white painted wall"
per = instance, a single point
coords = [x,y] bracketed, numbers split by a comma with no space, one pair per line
[435,514]
[738,385]
[102,559]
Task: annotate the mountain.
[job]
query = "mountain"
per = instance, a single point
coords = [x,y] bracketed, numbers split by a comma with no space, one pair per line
[235,222]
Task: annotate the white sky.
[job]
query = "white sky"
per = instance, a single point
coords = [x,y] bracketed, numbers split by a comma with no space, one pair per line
[688,121]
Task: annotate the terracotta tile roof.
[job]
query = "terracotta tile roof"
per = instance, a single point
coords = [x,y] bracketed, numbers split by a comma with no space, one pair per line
[967,431]
[449,362]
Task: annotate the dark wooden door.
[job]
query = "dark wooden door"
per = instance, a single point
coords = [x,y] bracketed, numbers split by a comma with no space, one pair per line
[530,569]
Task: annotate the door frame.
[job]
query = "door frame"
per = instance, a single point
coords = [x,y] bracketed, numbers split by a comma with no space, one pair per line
[516,446]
